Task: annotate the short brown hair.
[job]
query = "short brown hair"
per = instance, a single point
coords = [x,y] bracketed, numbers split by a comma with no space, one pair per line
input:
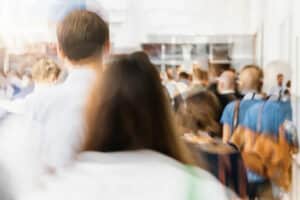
[82,34]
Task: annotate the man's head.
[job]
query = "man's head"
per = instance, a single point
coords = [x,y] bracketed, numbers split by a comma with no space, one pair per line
[215,70]
[280,79]
[82,35]
[226,81]
[170,72]
[251,79]
[184,76]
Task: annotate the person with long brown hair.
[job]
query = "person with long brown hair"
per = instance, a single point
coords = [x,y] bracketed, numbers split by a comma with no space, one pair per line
[131,148]
[130,110]
[200,113]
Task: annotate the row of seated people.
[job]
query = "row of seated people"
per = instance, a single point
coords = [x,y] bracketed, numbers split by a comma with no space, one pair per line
[220,113]
[106,132]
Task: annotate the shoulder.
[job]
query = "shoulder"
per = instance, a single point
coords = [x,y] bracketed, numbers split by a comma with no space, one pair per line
[210,186]
[230,107]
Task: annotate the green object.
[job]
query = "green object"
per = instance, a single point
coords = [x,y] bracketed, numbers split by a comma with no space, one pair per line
[192,184]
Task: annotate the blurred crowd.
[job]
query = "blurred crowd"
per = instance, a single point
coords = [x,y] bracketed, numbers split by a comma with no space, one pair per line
[114,127]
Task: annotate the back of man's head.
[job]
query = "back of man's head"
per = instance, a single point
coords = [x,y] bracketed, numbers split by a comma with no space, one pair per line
[81,35]
[184,76]
[251,79]
[226,81]
[216,69]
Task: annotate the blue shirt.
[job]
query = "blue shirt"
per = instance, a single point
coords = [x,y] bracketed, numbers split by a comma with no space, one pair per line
[228,113]
[273,114]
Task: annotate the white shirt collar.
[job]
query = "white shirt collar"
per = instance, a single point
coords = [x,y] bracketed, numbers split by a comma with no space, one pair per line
[283,98]
[253,96]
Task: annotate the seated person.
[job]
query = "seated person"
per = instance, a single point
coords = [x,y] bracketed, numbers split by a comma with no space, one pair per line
[131,150]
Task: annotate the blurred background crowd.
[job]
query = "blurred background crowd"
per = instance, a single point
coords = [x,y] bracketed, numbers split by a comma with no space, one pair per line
[180,116]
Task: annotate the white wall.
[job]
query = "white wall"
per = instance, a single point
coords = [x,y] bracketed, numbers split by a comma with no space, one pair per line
[182,17]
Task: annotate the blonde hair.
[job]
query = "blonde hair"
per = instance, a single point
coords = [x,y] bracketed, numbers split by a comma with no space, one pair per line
[45,70]
[200,75]
[251,77]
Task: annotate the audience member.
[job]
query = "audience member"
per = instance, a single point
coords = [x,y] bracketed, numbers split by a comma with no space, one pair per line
[27,86]
[200,79]
[45,73]
[83,43]
[264,120]
[214,72]
[170,83]
[197,119]
[250,85]
[279,89]
[226,88]
[183,82]
[15,81]
[133,150]
[199,114]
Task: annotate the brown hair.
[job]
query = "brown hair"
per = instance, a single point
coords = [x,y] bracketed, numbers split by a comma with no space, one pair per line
[200,74]
[200,112]
[45,70]
[216,69]
[128,110]
[82,34]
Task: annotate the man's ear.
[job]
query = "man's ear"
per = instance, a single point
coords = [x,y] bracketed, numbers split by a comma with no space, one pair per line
[60,52]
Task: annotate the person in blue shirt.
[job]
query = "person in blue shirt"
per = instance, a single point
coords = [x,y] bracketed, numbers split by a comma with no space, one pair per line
[250,84]
[265,118]
[273,114]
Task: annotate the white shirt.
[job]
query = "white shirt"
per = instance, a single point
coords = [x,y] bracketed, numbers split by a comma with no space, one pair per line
[27,105]
[136,175]
[172,88]
[19,155]
[62,117]
[277,90]
[253,96]
[182,87]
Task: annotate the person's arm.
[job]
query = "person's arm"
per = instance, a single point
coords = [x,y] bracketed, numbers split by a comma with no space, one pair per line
[226,133]
[226,120]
